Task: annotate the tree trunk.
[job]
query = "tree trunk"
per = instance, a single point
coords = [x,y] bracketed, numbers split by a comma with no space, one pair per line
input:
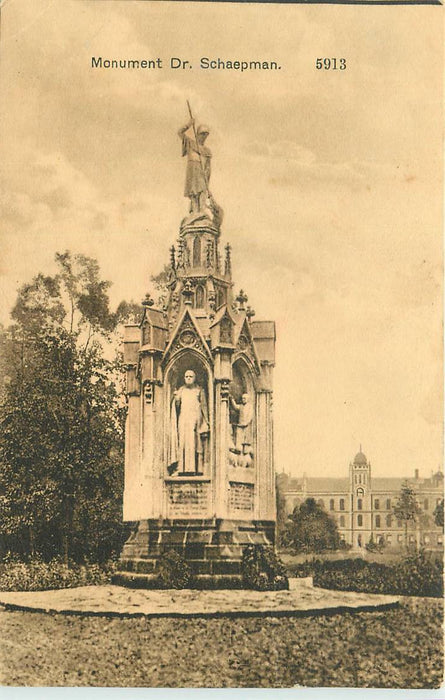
[31,541]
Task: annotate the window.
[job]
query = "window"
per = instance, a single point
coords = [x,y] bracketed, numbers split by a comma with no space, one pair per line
[399,538]
[377,504]
[364,478]
[426,539]
[146,334]
[389,539]
[411,538]
[399,523]
[220,297]
[199,295]
[320,502]
[331,504]
[439,539]
[342,520]
[388,504]
[342,503]
[360,492]
[377,521]
[359,504]
[425,504]
[388,521]
[360,520]
[197,251]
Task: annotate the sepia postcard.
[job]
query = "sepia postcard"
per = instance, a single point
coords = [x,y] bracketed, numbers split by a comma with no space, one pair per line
[221,345]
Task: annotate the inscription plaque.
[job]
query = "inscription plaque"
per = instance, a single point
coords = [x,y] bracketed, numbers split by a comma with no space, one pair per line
[190,499]
[241,497]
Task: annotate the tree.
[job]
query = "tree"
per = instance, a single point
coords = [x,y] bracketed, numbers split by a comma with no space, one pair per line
[438,514]
[161,282]
[282,514]
[407,509]
[312,529]
[62,414]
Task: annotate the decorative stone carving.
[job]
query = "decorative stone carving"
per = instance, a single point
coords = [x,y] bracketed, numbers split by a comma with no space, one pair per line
[148,393]
[225,390]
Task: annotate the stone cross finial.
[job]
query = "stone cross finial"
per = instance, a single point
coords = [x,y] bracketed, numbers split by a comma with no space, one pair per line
[241,299]
[250,312]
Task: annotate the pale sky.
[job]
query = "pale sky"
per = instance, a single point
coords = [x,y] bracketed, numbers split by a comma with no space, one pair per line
[331,183]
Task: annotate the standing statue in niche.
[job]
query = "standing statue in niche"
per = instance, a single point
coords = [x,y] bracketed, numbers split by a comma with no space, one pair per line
[189,428]
[243,431]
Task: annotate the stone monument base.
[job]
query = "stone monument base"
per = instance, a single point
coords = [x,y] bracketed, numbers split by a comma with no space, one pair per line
[212,548]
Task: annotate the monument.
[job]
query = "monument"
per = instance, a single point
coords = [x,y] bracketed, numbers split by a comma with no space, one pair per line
[199,473]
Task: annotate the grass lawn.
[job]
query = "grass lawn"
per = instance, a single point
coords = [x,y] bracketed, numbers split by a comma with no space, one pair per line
[400,648]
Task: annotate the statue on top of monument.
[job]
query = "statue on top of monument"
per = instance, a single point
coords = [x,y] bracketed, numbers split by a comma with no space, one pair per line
[198,164]
[189,427]
[202,203]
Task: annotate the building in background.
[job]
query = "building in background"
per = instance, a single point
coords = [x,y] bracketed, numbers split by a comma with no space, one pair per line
[362,505]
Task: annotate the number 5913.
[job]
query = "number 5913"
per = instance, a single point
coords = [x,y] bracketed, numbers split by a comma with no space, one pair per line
[330,64]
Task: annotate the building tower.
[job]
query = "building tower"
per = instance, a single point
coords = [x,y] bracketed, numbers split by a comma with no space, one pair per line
[199,474]
[360,494]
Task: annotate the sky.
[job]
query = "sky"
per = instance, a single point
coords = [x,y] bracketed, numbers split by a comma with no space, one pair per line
[331,184]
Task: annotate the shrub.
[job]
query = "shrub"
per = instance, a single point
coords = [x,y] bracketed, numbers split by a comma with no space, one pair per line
[262,570]
[173,571]
[418,574]
[37,575]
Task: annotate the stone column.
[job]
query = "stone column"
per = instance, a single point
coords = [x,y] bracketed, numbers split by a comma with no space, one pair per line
[220,481]
[132,458]
[265,497]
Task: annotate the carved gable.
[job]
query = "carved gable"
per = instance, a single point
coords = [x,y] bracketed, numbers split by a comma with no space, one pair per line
[246,346]
[186,336]
[222,330]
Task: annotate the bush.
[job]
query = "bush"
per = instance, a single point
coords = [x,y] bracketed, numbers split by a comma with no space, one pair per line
[262,570]
[418,574]
[37,575]
[173,571]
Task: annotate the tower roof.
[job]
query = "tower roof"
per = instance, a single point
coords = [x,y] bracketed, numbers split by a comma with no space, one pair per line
[360,458]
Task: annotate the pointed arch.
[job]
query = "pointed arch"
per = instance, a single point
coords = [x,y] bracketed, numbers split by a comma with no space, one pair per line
[199,297]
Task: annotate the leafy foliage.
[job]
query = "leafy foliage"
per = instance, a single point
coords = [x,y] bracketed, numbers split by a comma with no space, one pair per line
[311,529]
[173,571]
[262,570]
[161,282]
[417,574]
[282,515]
[438,514]
[37,575]
[407,509]
[61,444]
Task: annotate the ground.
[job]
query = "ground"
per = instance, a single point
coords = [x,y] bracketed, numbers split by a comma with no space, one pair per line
[399,648]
